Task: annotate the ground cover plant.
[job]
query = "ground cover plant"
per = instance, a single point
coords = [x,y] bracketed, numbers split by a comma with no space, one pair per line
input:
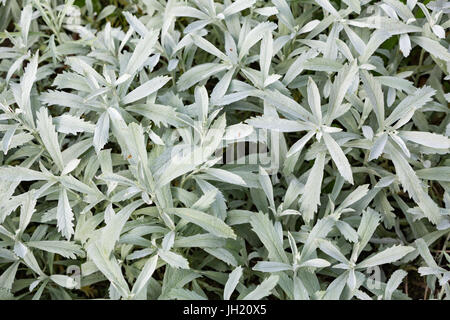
[205,149]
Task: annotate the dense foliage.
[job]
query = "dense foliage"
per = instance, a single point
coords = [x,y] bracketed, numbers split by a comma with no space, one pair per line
[201,149]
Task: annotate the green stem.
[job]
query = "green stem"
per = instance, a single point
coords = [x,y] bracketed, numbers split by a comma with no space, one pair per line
[422,54]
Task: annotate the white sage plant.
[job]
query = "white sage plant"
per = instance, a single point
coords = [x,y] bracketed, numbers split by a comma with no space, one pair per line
[247,149]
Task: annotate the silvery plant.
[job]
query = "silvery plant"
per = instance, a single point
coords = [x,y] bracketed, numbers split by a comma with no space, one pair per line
[201,149]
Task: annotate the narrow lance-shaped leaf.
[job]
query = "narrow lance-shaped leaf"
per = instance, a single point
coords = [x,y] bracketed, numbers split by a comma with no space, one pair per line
[64,215]
[373,91]
[26,84]
[338,157]
[145,275]
[387,256]
[263,290]
[49,137]
[205,221]
[142,51]
[101,132]
[146,89]
[394,281]
[232,282]
[311,197]
[413,185]
[266,232]
[314,100]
